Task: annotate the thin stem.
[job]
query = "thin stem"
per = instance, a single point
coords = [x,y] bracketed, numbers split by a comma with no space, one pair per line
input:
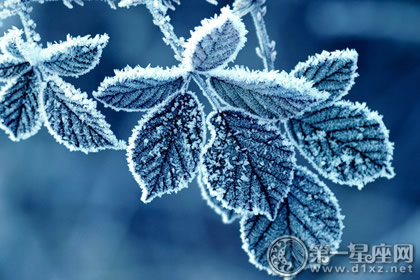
[266,49]
[163,22]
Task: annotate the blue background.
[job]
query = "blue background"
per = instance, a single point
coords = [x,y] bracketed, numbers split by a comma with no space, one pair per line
[65,215]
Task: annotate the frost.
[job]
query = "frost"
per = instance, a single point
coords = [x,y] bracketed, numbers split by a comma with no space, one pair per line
[270,95]
[247,165]
[331,72]
[228,215]
[215,43]
[164,150]
[73,119]
[310,212]
[10,42]
[346,142]
[19,106]
[75,56]
[138,88]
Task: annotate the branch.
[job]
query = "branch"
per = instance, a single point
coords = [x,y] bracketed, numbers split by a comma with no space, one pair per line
[266,50]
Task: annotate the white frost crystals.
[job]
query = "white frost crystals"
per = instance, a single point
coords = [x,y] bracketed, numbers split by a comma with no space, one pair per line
[215,43]
[35,94]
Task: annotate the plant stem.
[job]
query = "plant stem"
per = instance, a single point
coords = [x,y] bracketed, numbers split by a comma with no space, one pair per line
[266,49]
[163,22]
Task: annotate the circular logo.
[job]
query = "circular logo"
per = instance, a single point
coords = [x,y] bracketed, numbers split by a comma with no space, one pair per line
[287,256]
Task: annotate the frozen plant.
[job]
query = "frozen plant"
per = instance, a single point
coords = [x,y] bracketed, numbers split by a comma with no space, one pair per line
[247,169]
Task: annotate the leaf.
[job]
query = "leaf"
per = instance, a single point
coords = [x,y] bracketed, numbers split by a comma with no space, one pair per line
[347,143]
[73,119]
[11,67]
[310,212]
[164,150]
[269,95]
[11,42]
[331,72]
[248,165]
[215,43]
[135,89]
[19,106]
[74,57]
[228,215]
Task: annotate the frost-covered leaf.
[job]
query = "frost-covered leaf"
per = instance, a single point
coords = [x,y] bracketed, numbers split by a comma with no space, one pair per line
[19,106]
[346,142]
[331,72]
[310,212]
[164,150]
[138,88]
[228,215]
[270,95]
[248,165]
[10,43]
[11,67]
[75,56]
[215,43]
[73,119]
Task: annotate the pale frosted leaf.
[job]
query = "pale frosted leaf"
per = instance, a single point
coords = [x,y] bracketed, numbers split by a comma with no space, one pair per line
[75,56]
[73,119]
[346,142]
[164,150]
[310,212]
[215,43]
[11,42]
[333,72]
[248,165]
[270,95]
[138,88]
[228,215]
[19,106]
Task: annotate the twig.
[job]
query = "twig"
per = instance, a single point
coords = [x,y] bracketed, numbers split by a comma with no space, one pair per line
[266,50]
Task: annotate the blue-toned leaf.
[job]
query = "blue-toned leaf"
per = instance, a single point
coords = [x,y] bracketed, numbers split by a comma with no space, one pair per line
[75,56]
[270,95]
[248,165]
[215,43]
[310,212]
[228,215]
[346,142]
[11,67]
[11,43]
[164,150]
[331,72]
[73,119]
[19,106]
[135,89]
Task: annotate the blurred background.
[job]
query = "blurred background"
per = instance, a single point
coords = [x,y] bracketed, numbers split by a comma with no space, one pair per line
[65,215]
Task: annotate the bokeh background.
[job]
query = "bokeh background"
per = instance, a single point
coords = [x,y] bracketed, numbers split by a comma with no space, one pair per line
[65,215]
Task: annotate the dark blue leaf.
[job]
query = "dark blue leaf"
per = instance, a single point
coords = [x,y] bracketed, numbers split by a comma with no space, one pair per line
[248,165]
[310,212]
[331,72]
[135,89]
[164,150]
[73,57]
[269,95]
[73,119]
[19,106]
[11,67]
[346,142]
